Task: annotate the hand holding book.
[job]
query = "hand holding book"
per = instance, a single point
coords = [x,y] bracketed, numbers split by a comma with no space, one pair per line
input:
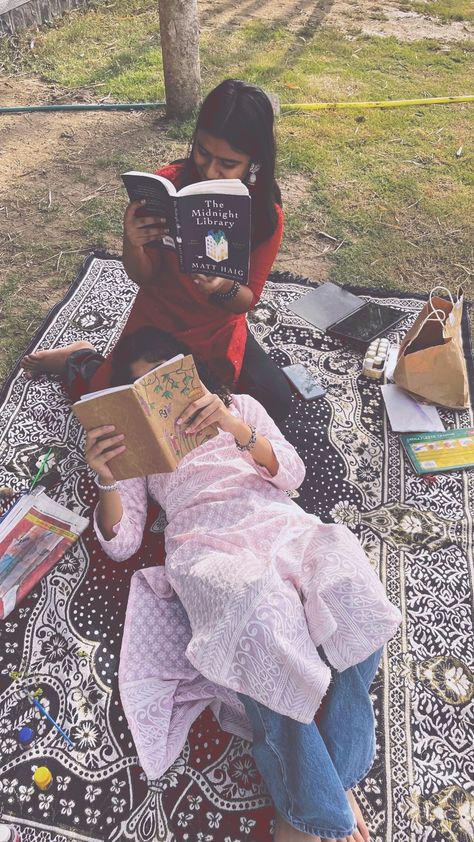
[209,409]
[101,446]
[141,228]
[210,285]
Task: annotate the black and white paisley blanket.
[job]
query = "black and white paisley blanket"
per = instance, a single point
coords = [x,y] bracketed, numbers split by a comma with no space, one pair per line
[65,637]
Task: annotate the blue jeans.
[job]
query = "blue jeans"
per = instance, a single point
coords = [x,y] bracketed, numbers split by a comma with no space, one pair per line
[308,768]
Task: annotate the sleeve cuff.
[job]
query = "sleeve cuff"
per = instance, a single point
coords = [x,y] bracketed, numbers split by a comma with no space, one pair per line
[109,544]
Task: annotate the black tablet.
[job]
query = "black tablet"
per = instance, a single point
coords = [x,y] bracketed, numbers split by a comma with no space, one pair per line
[367,323]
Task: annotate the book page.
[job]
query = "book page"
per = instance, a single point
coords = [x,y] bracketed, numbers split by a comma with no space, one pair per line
[165,393]
[104,392]
[216,185]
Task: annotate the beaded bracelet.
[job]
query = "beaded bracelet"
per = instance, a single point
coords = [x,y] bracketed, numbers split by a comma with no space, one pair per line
[226,296]
[112,487]
[251,442]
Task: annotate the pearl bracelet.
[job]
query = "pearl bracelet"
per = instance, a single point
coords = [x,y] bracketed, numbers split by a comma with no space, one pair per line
[251,442]
[112,487]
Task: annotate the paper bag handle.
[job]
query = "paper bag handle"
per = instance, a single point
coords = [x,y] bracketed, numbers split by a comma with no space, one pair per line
[439,316]
[445,289]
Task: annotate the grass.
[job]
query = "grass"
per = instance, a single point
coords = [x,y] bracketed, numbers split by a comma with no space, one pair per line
[394,185]
[449,10]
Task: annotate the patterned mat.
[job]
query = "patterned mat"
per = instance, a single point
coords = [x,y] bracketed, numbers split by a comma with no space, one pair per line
[66,635]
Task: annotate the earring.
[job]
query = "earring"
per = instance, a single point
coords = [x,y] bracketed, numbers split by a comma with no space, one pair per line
[252,174]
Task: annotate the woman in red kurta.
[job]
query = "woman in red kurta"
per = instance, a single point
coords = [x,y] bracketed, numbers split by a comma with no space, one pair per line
[233,139]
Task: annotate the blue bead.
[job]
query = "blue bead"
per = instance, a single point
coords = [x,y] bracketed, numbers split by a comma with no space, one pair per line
[26,735]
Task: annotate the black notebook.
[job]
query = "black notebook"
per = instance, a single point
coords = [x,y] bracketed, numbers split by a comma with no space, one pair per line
[209,222]
[342,314]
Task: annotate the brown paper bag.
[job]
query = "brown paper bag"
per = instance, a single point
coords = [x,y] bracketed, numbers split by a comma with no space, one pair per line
[431,362]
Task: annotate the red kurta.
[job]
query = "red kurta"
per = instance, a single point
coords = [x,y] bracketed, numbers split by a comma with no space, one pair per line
[175,304]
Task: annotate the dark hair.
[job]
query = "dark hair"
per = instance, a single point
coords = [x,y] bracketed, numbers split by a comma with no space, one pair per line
[242,115]
[152,344]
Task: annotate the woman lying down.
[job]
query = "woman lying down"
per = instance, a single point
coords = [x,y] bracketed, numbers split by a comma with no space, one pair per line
[261,611]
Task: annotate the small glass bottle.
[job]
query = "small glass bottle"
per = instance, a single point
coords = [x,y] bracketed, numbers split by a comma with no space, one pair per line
[8,833]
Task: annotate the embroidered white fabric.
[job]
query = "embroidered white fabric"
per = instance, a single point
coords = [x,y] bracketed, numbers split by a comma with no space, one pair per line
[262,584]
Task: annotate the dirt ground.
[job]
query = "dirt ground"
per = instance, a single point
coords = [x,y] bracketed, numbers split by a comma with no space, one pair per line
[49,162]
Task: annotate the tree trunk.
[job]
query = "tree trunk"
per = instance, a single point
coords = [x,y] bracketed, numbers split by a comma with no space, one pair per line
[180,47]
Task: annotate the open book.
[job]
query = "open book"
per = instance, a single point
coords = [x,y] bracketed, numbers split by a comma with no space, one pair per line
[146,412]
[34,535]
[209,222]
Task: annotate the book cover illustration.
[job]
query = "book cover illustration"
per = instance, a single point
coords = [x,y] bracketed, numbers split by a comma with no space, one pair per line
[34,537]
[165,395]
[432,453]
[217,247]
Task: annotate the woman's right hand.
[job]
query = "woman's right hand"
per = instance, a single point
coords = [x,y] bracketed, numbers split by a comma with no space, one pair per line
[101,447]
[140,230]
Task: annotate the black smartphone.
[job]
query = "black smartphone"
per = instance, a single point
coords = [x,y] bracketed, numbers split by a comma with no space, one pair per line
[304,384]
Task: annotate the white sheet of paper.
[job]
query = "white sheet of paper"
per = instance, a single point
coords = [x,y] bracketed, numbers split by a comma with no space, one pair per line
[407,415]
[391,362]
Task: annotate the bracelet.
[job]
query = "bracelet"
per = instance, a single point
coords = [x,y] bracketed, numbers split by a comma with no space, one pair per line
[226,296]
[251,442]
[112,487]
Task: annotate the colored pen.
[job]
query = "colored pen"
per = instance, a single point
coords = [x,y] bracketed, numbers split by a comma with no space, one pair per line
[41,469]
[53,722]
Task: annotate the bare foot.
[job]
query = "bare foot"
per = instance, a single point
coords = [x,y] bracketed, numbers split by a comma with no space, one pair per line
[284,832]
[52,361]
[362,833]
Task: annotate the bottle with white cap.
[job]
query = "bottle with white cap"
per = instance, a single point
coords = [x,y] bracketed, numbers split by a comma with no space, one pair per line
[9,834]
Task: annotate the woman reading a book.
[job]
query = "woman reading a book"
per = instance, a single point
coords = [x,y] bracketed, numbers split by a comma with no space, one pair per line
[261,611]
[233,138]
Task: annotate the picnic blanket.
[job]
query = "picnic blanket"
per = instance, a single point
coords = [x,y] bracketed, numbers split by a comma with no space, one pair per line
[66,636]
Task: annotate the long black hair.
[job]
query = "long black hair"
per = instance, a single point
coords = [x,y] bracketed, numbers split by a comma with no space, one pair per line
[242,115]
[154,345]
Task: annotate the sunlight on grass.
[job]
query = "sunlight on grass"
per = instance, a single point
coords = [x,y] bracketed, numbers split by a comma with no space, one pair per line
[391,183]
[444,9]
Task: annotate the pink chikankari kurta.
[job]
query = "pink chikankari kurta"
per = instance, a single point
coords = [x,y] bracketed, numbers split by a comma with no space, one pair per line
[262,584]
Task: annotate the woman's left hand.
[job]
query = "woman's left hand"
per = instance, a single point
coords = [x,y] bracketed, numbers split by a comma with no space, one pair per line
[211,410]
[209,285]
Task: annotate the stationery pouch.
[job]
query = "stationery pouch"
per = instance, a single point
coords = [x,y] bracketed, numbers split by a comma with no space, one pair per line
[431,362]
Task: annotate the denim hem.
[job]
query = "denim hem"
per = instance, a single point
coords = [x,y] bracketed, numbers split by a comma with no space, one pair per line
[360,777]
[323,832]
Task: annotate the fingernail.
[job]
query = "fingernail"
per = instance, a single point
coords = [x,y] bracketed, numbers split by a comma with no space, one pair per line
[179,421]
[196,281]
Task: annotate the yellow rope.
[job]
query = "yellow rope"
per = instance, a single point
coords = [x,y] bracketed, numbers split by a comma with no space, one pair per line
[393,103]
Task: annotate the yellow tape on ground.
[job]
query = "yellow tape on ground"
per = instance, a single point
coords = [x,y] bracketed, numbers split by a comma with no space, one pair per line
[389,103]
